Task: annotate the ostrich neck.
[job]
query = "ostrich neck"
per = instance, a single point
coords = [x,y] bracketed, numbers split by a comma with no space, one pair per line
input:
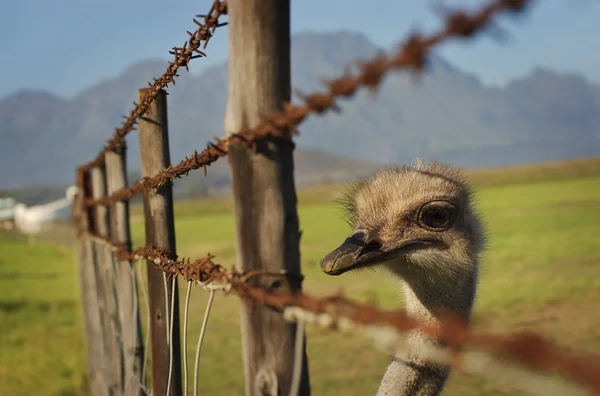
[424,296]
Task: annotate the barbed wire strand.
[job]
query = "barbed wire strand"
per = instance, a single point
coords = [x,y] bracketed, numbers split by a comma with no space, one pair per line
[411,55]
[391,341]
[528,348]
[488,367]
[186,312]
[182,57]
[209,303]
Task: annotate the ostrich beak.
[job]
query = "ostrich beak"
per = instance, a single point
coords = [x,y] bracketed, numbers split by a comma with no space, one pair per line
[358,250]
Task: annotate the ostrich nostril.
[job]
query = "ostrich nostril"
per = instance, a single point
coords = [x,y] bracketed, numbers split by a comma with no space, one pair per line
[372,246]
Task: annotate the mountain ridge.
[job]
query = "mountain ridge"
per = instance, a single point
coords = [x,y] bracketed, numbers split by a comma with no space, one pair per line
[449,115]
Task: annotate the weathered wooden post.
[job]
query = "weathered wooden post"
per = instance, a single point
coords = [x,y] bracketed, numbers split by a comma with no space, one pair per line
[160,231]
[263,185]
[98,382]
[105,277]
[125,281]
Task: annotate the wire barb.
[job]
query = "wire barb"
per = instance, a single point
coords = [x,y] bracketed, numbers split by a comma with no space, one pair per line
[182,57]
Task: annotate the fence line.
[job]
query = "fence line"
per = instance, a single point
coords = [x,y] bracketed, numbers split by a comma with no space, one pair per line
[464,350]
[182,57]
[411,55]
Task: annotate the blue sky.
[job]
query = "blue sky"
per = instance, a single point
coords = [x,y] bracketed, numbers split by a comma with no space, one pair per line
[64,46]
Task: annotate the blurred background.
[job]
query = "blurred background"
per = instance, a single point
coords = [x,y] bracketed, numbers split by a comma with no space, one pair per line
[518,108]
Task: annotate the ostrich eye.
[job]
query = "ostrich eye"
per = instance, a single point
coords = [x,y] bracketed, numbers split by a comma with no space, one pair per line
[437,215]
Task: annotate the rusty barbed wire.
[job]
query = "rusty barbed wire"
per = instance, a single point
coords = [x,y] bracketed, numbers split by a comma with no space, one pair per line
[411,55]
[202,270]
[182,56]
[527,348]
[491,356]
[337,312]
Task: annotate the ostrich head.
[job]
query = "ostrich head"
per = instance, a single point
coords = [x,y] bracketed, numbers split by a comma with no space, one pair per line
[418,222]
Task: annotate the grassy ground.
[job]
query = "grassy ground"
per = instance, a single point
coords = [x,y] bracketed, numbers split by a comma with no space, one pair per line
[541,271]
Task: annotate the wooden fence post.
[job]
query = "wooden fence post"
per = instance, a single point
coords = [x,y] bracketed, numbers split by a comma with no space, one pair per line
[125,280]
[97,381]
[268,233]
[105,278]
[160,231]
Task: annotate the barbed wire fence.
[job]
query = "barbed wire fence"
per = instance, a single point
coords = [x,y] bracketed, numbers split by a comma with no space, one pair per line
[112,280]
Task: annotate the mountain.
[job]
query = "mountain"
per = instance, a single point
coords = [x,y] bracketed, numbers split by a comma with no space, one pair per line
[446,114]
[312,167]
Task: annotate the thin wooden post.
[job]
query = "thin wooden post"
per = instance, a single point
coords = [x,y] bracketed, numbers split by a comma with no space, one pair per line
[106,293]
[160,231]
[268,233]
[125,280]
[98,383]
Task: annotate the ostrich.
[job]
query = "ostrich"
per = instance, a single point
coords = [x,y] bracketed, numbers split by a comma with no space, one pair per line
[418,223]
[33,219]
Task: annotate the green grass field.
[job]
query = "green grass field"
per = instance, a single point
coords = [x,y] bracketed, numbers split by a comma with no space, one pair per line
[541,271]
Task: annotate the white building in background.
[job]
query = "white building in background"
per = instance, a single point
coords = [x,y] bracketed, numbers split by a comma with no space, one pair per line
[31,220]
[7,213]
